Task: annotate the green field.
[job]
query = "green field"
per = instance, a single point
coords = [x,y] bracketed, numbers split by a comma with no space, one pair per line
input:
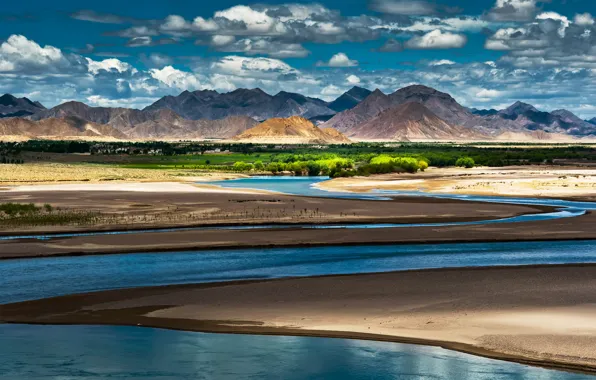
[333,160]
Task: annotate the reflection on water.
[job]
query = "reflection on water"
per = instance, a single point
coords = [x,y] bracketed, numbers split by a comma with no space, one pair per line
[109,352]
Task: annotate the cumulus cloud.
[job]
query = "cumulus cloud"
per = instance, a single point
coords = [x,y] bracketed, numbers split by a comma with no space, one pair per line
[339,60]
[353,79]
[441,62]
[176,78]
[261,68]
[21,55]
[111,64]
[583,19]
[259,46]
[513,10]
[549,40]
[437,40]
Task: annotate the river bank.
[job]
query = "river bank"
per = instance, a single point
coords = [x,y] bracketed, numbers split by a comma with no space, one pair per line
[519,181]
[541,315]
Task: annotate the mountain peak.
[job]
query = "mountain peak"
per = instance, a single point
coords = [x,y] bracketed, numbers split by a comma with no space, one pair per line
[11,106]
[8,100]
[519,108]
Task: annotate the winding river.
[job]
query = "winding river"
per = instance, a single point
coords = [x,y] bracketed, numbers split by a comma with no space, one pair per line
[116,352]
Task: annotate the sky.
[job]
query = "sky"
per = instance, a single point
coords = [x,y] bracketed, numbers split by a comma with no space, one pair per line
[485,53]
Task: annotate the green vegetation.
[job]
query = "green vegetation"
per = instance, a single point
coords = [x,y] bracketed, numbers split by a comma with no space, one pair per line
[29,214]
[333,160]
[465,162]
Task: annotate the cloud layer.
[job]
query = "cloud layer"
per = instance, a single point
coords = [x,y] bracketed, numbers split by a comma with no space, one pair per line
[537,55]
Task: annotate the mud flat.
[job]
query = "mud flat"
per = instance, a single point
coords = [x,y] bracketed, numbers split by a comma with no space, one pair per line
[541,315]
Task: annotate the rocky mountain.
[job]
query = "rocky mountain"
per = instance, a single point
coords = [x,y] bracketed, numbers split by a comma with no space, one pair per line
[439,103]
[179,128]
[150,124]
[349,99]
[254,103]
[11,106]
[119,118]
[592,121]
[370,107]
[292,130]
[410,121]
[483,112]
[209,114]
[58,128]
[522,117]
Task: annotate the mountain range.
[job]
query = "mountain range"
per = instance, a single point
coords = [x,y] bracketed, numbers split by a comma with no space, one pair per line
[411,113]
[11,106]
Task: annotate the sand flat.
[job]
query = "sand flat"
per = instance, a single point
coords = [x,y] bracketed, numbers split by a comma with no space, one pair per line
[531,181]
[542,315]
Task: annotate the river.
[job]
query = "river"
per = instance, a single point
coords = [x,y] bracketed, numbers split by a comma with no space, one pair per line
[116,352]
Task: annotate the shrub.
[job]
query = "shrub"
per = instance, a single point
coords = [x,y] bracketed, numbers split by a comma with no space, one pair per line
[465,162]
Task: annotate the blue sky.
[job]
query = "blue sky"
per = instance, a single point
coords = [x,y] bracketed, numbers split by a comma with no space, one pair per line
[486,53]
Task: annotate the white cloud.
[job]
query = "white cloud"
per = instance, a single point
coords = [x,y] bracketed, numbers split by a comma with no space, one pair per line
[557,17]
[331,91]
[19,54]
[441,62]
[261,46]
[219,40]
[176,78]
[205,25]
[513,10]
[110,64]
[339,60]
[584,19]
[437,40]
[353,79]
[260,68]
[174,23]
[254,20]
[485,93]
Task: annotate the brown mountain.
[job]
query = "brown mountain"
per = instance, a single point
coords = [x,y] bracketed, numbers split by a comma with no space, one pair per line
[292,130]
[11,106]
[179,128]
[150,124]
[55,128]
[408,122]
[364,111]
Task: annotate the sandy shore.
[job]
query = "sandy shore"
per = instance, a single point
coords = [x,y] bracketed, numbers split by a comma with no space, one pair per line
[535,315]
[129,210]
[531,181]
[142,187]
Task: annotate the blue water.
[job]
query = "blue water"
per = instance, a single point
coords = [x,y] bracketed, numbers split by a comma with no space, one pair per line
[291,185]
[306,186]
[26,279]
[112,352]
[109,352]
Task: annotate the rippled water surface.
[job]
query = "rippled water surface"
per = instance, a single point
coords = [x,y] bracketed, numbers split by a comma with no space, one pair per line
[109,352]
